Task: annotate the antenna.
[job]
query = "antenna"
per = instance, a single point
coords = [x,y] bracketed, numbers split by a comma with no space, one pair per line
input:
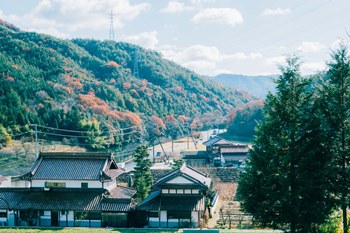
[136,64]
[111,26]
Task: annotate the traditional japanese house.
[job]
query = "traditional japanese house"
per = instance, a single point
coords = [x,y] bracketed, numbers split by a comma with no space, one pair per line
[222,152]
[178,199]
[68,189]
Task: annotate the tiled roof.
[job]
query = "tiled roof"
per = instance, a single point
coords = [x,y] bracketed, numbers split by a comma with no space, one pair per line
[121,192]
[210,142]
[179,186]
[235,149]
[74,166]
[172,203]
[110,205]
[69,169]
[54,200]
[194,155]
[63,199]
[189,173]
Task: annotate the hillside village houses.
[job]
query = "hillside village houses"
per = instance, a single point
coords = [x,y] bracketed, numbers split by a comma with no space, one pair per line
[81,189]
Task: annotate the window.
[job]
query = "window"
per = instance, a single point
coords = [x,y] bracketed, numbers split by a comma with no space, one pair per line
[187,191]
[84,185]
[153,214]
[180,191]
[195,191]
[165,191]
[172,191]
[55,185]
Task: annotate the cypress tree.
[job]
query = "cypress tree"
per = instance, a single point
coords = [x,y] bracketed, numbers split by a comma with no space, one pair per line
[336,113]
[284,183]
[143,179]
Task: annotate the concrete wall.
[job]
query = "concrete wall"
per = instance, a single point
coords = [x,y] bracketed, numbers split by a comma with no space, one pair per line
[69,183]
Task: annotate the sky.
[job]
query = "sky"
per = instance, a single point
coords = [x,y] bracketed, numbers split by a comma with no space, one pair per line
[211,37]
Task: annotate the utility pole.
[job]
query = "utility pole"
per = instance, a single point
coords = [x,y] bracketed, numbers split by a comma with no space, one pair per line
[36,139]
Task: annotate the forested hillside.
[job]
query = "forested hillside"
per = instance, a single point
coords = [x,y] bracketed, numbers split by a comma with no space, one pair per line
[89,85]
[256,85]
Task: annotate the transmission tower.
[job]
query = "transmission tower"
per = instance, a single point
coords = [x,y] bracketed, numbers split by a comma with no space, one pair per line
[136,64]
[111,26]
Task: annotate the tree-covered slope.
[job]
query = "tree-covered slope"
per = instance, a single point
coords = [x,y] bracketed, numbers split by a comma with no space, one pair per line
[256,85]
[89,84]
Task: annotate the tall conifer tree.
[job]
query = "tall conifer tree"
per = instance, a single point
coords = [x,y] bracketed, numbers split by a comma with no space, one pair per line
[335,93]
[284,183]
[142,177]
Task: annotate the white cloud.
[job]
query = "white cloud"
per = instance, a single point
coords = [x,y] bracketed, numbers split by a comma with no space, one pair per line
[148,40]
[311,47]
[277,11]
[175,6]
[230,16]
[206,59]
[67,16]
[312,67]
[273,61]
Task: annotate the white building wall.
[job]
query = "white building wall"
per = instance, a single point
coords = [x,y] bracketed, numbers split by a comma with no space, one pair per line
[69,183]
[20,184]
[194,218]
[163,218]
[6,182]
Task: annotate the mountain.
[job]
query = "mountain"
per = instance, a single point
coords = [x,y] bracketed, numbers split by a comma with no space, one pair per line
[256,85]
[89,85]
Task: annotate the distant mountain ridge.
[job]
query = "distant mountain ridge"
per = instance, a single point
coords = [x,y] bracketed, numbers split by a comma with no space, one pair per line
[256,85]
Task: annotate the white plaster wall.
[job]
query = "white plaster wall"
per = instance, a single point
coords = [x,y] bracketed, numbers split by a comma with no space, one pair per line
[6,183]
[163,216]
[69,183]
[194,216]
[20,184]
[179,180]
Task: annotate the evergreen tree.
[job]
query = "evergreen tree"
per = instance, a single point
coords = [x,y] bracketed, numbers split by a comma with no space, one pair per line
[336,113]
[284,183]
[142,177]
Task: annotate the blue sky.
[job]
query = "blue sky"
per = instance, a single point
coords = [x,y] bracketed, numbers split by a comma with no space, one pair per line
[208,36]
